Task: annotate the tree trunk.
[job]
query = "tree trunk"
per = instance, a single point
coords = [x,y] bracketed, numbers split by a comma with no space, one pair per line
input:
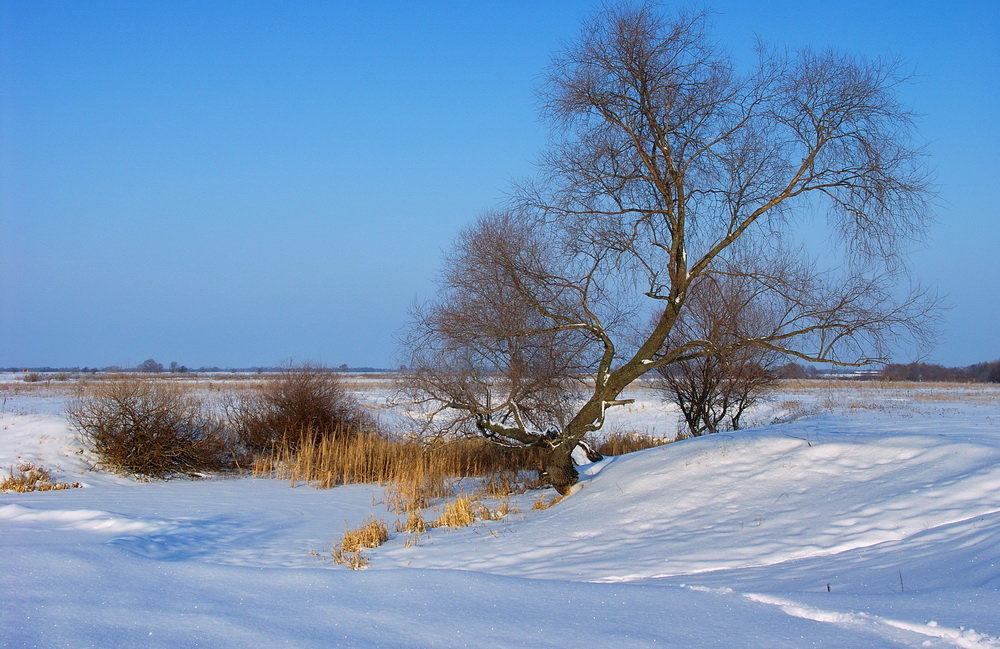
[559,468]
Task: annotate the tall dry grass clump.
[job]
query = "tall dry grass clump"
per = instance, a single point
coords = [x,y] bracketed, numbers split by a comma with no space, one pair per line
[149,429]
[619,443]
[461,512]
[414,523]
[299,408]
[416,471]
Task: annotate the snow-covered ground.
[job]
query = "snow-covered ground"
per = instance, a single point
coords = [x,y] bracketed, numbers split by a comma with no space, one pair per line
[868,518]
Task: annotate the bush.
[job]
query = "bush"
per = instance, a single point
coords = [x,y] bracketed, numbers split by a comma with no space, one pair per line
[301,407]
[713,392]
[149,429]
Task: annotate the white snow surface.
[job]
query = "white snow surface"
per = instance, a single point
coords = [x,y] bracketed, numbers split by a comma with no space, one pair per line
[876,525]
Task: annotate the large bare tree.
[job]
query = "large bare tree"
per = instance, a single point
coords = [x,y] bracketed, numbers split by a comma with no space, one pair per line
[671,170]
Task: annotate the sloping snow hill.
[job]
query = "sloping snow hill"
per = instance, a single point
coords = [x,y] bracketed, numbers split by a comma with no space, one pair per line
[849,502]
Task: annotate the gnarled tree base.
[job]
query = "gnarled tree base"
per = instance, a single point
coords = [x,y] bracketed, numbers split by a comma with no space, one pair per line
[560,470]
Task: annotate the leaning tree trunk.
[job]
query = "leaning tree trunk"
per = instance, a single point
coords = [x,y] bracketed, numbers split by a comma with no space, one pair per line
[559,468]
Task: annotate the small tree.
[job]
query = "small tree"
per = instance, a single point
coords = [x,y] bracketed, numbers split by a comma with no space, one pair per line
[149,366]
[671,169]
[713,392]
[715,389]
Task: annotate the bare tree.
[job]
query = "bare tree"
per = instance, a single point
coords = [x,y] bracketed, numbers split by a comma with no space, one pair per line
[714,390]
[150,366]
[670,169]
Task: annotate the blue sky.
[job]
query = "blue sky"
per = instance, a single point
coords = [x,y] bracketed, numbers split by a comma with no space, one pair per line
[246,183]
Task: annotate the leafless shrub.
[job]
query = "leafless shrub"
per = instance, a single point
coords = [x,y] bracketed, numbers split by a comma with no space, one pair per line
[300,407]
[149,429]
[714,392]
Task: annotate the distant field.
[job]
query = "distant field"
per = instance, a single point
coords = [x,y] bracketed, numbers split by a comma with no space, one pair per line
[650,414]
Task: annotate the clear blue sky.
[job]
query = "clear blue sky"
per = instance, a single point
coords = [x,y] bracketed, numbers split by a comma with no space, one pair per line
[245,183]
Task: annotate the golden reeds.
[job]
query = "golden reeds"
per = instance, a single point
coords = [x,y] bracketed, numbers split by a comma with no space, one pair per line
[31,477]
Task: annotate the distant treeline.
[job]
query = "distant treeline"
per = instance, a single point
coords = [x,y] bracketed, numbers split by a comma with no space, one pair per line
[174,368]
[976,373]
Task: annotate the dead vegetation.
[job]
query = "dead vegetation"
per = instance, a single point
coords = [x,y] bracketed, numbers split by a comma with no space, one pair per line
[149,429]
[414,524]
[545,501]
[298,408]
[349,550]
[28,476]
[620,443]
[416,470]
[467,509]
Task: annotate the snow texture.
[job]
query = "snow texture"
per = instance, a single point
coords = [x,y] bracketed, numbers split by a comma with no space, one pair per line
[853,527]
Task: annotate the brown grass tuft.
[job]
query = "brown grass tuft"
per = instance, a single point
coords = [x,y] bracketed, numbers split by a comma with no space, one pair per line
[461,512]
[370,535]
[414,524]
[357,561]
[466,510]
[544,501]
[31,477]
[349,549]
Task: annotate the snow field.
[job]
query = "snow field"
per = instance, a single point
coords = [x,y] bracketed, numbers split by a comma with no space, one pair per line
[860,527]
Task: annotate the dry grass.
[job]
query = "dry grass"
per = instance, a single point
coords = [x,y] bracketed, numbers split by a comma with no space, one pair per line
[545,501]
[31,477]
[885,395]
[467,509]
[504,483]
[349,550]
[461,512]
[620,443]
[357,561]
[370,535]
[414,524]
[415,472]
